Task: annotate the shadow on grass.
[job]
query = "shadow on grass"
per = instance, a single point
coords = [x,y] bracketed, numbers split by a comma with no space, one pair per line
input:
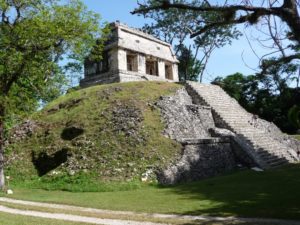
[227,223]
[269,194]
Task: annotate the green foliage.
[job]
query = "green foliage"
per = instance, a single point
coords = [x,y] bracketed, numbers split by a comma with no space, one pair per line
[81,182]
[297,137]
[294,116]
[238,86]
[189,67]
[268,194]
[171,25]
[35,36]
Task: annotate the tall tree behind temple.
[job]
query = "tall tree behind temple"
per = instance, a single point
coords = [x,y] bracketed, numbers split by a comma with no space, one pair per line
[189,67]
[278,22]
[174,26]
[35,35]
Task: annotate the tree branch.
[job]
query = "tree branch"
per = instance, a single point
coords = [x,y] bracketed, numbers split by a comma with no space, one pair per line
[283,60]
[167,5]
[287,12]
[241,19]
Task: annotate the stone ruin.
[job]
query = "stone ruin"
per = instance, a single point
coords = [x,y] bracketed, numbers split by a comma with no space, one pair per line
[131,55]
[218,136]
[216,133]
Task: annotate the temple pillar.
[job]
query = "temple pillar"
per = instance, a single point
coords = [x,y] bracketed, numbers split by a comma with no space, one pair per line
[161,69]
[141,64]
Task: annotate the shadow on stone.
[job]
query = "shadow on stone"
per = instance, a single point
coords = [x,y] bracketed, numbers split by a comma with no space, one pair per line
[44,163]
[69,133]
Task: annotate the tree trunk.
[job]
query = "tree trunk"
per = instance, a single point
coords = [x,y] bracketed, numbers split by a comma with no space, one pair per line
[289,13]
[2,114]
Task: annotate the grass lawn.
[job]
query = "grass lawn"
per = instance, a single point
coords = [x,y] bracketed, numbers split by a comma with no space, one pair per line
[297,136]
[273,194]
[10,219]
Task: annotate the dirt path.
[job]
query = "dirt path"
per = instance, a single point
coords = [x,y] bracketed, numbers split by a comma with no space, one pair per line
[94,220]
[73,218]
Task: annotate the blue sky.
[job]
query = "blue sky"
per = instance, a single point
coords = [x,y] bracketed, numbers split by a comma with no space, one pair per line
[224,61]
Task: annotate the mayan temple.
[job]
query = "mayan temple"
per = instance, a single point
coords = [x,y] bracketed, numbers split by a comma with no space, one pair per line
[132,55]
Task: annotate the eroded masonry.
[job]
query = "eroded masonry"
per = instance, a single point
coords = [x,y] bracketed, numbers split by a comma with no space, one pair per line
[131,55]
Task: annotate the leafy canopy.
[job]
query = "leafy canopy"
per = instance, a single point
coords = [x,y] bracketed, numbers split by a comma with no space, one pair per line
[36,36]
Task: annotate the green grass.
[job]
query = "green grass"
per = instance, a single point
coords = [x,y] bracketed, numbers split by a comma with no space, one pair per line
[270,194]
[121,138]
[10,219]
[297,136]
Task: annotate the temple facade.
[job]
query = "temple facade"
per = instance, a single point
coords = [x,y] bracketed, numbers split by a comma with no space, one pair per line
[131,55]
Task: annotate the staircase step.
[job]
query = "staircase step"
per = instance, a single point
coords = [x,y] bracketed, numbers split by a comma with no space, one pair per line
[278,163]
[238,120]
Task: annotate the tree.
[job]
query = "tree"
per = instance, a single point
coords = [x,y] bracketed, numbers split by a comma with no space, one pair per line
[35,36]
[24,99]
[189,67]
[248,13]
[294,116]
[174,26]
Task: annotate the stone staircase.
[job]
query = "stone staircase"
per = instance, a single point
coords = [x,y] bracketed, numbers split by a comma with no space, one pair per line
[260,146]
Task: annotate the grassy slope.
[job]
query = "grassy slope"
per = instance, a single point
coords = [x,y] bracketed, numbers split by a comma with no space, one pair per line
[273,194]
[297,137]
[121,138]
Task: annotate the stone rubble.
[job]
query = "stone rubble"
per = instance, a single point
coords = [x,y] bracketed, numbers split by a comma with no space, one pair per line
[23,130]
[183,119]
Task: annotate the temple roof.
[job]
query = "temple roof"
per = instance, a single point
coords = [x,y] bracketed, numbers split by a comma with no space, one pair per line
[138,41]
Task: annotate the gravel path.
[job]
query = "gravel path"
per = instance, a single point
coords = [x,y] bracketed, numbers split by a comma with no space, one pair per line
[122,222]
[73,218]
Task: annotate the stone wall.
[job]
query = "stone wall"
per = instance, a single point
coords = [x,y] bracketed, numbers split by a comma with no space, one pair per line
[140,42]
[273,131]
[191,125]
[127,76]
[183,119]
[118,76]
[104,78]
[128,41]
[201,159]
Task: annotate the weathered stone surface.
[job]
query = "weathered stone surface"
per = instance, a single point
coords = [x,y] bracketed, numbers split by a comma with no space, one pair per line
[200,161]
[241,156]
[273,131]
[220,132]
[183,119]
[126,119]
[192,125]
[23,130]
[132,55]
[261,141]
[240,133]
